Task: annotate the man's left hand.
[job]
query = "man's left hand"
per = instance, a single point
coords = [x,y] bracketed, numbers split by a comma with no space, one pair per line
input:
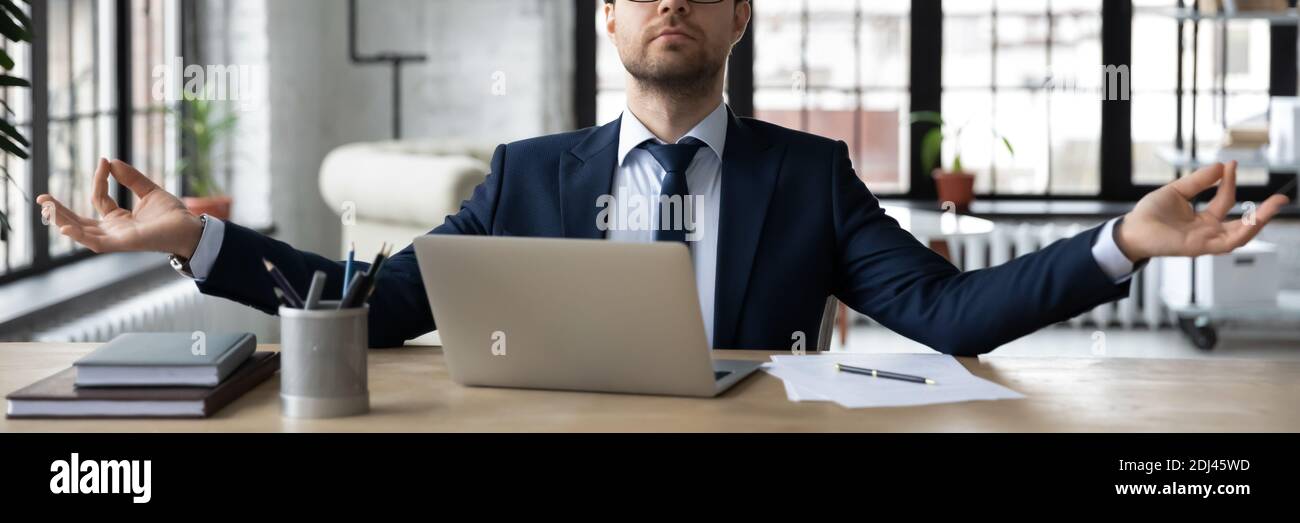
[1164,223]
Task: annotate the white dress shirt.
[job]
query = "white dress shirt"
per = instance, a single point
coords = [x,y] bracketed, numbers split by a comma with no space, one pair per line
[639,175]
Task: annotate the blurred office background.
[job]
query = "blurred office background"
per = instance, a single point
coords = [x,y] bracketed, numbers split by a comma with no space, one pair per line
[368,120]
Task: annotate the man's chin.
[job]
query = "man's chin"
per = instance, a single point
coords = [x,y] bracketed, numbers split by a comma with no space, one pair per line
[677,61]
[677,74]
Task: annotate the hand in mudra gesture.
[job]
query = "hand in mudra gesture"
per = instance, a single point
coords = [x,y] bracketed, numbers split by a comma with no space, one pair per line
[157,222]
[1164,223]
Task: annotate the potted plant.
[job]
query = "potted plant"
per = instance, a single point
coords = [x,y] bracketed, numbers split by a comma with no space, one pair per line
[15,26]
[201,128]
[956,185]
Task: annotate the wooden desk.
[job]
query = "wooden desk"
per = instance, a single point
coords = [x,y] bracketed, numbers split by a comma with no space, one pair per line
[410,392]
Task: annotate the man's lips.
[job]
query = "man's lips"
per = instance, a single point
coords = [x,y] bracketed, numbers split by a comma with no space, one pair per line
[673,34]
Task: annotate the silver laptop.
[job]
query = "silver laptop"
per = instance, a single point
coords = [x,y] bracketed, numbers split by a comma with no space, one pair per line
[589,315]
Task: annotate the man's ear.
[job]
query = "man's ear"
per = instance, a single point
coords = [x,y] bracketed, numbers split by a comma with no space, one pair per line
[609,20]
[739,21]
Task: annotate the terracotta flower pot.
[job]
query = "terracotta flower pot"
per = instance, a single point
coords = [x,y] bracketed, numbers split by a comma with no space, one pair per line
[955,187]
[216,206]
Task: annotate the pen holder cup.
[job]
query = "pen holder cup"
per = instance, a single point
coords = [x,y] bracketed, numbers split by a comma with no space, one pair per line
[323,371]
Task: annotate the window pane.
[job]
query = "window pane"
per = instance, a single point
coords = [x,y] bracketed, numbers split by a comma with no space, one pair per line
[1075,147]
[883,46]
[1075,96]
[16,193]
[1153,102]
[967,43]
[78,77]
[881,156]
[156,25]
[1021,117]
[1026,71]
[829,49]
[1021,53]
[839,68]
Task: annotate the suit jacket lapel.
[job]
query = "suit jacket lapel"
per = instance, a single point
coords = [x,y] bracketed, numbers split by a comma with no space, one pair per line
[586,173]
[750,166]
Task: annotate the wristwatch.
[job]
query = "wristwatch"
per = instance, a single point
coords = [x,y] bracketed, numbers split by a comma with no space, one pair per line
[182,264]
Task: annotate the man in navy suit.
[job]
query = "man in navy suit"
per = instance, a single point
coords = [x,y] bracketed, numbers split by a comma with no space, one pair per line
[783,221]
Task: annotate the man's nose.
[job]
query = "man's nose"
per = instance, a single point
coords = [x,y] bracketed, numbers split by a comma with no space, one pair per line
[680,7]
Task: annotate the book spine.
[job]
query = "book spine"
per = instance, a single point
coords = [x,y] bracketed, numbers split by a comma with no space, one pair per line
[229,392]
[235,356]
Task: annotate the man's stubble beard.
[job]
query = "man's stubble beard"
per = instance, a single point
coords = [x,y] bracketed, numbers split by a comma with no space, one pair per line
[691,79]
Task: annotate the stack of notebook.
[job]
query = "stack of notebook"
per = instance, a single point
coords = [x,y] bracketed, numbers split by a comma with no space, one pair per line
[150,375]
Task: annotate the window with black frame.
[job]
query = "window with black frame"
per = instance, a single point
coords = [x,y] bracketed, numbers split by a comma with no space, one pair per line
[15,191]
[839,68]
[1027,71]
[90,62]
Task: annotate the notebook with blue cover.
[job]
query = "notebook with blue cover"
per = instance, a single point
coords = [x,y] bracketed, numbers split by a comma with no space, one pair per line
[165,359]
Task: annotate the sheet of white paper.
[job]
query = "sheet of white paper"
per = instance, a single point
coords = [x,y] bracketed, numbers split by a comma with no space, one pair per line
[794,394]
[790,393]
[816,377]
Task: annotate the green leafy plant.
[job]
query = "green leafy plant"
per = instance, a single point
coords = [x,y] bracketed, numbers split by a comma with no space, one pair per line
[201,128]
[932,142]
[15,26]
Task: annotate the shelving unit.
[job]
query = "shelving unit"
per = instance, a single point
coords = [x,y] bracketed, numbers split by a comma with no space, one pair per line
[1200,324]
[1183,161]
[1288,17]
[1184,154]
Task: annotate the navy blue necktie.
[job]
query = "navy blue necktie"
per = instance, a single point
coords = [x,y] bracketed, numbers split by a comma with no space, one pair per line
[675,159]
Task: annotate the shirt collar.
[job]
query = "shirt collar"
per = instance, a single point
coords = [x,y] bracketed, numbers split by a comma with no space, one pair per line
[712,131]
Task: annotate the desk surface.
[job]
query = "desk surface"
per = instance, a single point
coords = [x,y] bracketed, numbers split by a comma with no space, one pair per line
[411,392]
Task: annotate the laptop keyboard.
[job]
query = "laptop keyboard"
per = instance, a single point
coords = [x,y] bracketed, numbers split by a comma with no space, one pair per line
[719,374]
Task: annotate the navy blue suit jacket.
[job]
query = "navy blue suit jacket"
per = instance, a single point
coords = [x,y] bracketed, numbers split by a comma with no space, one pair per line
[796,225]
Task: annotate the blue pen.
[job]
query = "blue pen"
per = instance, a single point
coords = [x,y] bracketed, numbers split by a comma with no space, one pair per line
[347,267]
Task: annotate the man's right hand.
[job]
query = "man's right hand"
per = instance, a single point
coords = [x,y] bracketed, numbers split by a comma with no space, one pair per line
[157,222]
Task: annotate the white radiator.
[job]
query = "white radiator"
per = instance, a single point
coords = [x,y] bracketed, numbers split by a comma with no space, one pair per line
[172,307]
